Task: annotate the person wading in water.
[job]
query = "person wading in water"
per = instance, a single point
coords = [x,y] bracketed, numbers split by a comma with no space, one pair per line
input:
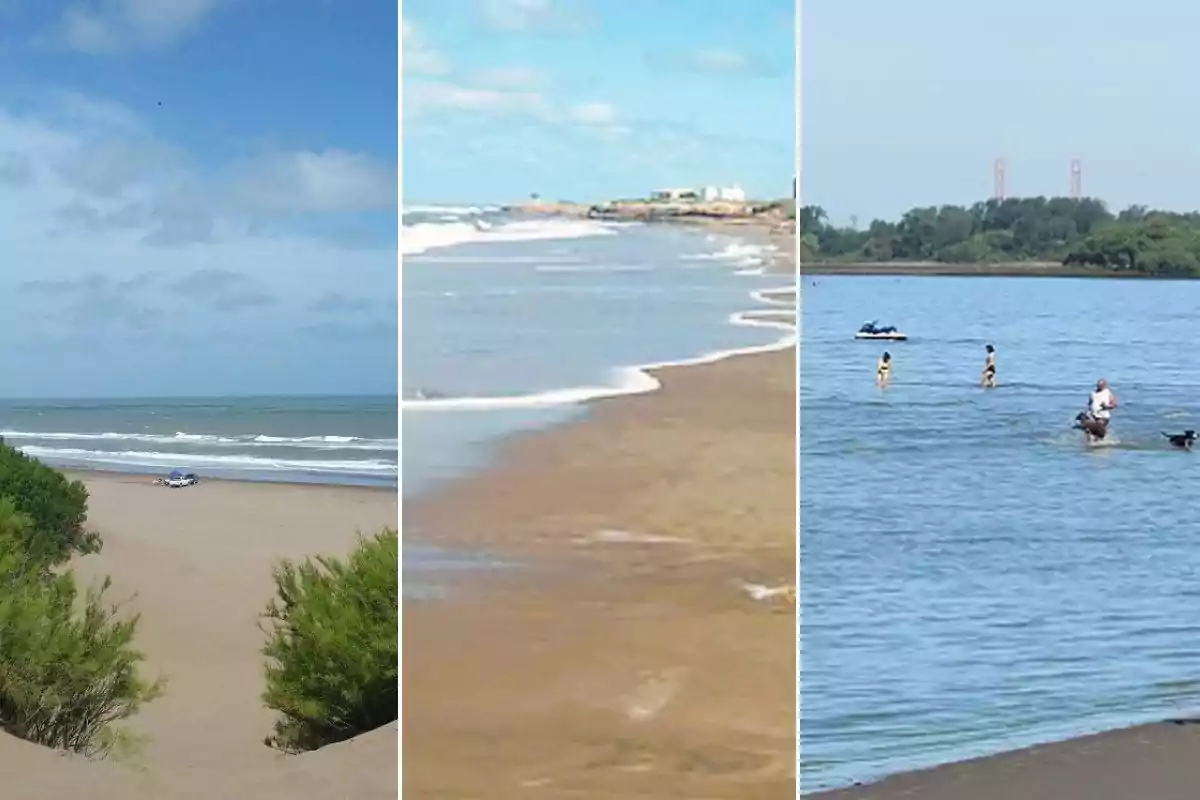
[883,371]
[987,378]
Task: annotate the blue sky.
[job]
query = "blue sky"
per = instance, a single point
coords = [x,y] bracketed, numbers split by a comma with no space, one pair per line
[197,197]
[585,100]
[909,104]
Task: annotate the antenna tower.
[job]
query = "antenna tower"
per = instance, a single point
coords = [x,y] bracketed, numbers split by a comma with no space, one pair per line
[1076,179]
[999,177]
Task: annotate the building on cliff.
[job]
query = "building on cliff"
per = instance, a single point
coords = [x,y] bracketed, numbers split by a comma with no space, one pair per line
[732,194]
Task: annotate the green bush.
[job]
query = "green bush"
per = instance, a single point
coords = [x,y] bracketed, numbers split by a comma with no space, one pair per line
[68,670]
[332,645]
[56,507]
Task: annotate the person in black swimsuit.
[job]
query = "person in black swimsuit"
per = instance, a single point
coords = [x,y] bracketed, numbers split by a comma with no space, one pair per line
[987,378]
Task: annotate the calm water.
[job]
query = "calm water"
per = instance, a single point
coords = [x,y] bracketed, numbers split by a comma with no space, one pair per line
[974,577]
[342,440]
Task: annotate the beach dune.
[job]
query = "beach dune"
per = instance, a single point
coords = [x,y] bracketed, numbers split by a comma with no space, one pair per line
[196,564]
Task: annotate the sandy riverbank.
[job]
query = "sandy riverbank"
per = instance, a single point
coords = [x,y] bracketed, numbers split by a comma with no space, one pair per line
[624,658]
[1150,761]
[196,564]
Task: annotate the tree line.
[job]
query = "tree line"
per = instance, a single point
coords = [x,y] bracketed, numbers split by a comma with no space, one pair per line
[1080,232]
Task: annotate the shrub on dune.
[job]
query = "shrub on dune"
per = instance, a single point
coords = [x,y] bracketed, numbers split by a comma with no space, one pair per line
[332,645]
[68,669]
[56,508]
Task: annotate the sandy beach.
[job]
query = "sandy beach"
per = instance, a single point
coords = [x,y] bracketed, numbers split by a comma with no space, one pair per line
[624,656]
[1149,761]
[196,564]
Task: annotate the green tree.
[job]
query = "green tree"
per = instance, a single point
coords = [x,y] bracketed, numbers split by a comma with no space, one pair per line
[1071,231]
[332,647]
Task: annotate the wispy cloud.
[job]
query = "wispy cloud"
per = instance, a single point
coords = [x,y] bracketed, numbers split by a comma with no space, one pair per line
[517,15]
[95,301]
[111,27]
[593,114]
[445,95]
[526,16]
[510,77]
[328,181]
[418,56]
[713,61]
[222,289]
[15,169]
[104,169]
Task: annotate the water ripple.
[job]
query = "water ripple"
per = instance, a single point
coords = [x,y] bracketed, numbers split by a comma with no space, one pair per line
[973,577]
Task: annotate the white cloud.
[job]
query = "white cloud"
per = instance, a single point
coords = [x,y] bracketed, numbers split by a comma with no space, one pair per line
[721,61]
[116,26]
[594,114]
[509,77]
[469,98]
[418,56]
[712,60]
[516,15]
[331,181]
[122,232]
[88,176]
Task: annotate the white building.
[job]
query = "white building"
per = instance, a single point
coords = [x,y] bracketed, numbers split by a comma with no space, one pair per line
[731,194]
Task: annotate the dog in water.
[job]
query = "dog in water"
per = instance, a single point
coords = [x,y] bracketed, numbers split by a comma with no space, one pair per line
[1183,441]
[1094,428]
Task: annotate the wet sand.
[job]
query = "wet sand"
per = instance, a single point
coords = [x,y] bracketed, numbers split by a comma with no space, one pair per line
[1150,761]
[624,656]
[196,563]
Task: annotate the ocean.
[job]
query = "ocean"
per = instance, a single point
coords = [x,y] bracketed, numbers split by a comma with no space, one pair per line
[974,577]
[514,323]
[337,440]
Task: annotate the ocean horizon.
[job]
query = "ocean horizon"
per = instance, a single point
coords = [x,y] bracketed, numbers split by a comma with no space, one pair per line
[328,439]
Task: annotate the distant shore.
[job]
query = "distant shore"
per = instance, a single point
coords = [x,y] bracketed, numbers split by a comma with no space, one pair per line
[1011,269]
[768,215]
[1148,761]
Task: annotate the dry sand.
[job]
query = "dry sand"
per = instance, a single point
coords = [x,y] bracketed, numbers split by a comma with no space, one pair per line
[624,658]
[196,564]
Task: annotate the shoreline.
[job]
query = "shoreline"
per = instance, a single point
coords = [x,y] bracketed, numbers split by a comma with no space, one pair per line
[1017,269]
[621,657]
[637,379]
[1150,760]
[147,478]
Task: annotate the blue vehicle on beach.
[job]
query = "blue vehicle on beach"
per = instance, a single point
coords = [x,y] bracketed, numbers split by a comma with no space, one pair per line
[178,479]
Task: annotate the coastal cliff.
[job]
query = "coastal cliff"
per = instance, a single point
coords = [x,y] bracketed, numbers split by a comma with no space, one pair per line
[776,214]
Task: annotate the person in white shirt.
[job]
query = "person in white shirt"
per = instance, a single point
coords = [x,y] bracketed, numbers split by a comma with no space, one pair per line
[1101,404]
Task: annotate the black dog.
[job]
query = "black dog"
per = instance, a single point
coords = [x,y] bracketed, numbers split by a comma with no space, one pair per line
[1094,428]
[1183,441]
